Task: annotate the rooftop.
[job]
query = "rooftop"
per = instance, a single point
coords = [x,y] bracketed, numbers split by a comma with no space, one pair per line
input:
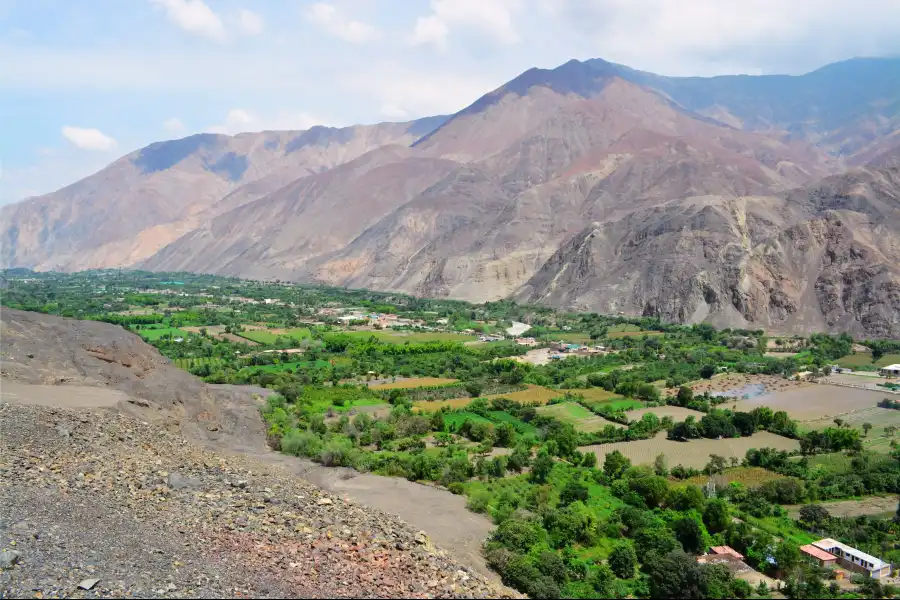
[726,550]
[895,367]
[817,552]
[827,544]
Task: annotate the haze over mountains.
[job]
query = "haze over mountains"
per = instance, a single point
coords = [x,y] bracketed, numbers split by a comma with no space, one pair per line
[751,201]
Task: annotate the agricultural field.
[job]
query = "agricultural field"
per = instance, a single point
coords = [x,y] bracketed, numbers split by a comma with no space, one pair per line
[499,416]
[570,337]
[401,337]
[628,330]
[155,334]
[741,384]
[189,363]
[863,361]
[748,476]
[457,419]
[815,401]
[869,505]
[270,336]
[677,413]
[218,331]
[413,382]
[535,394]
[576,415]
[293,365]
[878,440]
[694,453]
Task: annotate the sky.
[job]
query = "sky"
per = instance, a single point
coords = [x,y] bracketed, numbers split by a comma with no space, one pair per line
[83,82]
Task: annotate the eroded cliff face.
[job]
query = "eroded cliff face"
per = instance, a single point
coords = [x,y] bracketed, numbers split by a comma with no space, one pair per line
[823,258]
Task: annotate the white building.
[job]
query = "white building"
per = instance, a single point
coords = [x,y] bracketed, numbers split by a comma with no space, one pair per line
[890,370]
[853,559]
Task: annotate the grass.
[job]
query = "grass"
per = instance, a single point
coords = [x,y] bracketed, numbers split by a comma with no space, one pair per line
[269,337]
[571,337]
[319,364]
[877,440]
[498,416]
[401,337]
[459,418]
[155,334]
[414,383]
[600,398]
[578,416]
[784,528]
[863,360]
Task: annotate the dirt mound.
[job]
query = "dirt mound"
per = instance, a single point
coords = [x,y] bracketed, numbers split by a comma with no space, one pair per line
[43,350]
[120,467]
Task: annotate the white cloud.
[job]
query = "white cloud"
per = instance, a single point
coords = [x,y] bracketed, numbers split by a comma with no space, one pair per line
[89,139]
[195,17]
[493,18]
[250,23]
[331,20]
[240,121]
[407,94]
[705,37]
[173,126]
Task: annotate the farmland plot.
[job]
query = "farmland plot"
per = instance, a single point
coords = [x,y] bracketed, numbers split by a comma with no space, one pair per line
[576,415]
[694,453]
[535,394]
[413,382]
[677,413]
[813,402]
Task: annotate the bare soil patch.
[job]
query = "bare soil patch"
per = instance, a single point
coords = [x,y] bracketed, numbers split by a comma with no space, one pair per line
[694,453]
[815,401]
[870,505]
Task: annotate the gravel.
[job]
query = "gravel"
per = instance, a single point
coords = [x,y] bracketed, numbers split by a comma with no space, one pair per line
[117,507]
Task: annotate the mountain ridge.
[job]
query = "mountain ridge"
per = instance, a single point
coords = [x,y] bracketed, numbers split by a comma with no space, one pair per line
[497,199]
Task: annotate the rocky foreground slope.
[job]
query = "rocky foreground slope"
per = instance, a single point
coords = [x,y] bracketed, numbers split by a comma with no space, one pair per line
[142,490]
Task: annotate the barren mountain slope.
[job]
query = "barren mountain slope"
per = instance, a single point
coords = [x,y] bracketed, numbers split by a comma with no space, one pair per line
[824,257]
[322,213]
[168,491]
[146,199]
[485,229]
[845,108]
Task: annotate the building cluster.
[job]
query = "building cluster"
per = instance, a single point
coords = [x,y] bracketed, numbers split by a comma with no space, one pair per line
[831,553]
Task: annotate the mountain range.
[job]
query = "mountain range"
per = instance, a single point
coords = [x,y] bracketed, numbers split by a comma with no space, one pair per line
[747,201]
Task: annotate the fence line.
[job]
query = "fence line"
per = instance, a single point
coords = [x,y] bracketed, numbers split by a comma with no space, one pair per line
[859,386]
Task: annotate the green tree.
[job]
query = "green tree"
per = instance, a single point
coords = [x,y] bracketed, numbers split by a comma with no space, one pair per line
[716,516]
[623,560]
[652,489]
[474,389]
[707,371]
[685,395]
[574,491]
[660,466]
[615,464]
[866,428]
[814,515]
[543,464]
[690,533]
[437,421]
[786,555]
[656,540]
[684,498]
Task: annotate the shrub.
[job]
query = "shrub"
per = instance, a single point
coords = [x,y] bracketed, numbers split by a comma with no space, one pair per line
[301,443]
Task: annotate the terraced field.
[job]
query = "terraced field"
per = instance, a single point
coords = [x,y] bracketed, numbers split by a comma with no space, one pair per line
[748,476]
[694,453]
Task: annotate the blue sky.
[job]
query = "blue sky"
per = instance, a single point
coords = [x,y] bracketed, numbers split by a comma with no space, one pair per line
[83,82]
